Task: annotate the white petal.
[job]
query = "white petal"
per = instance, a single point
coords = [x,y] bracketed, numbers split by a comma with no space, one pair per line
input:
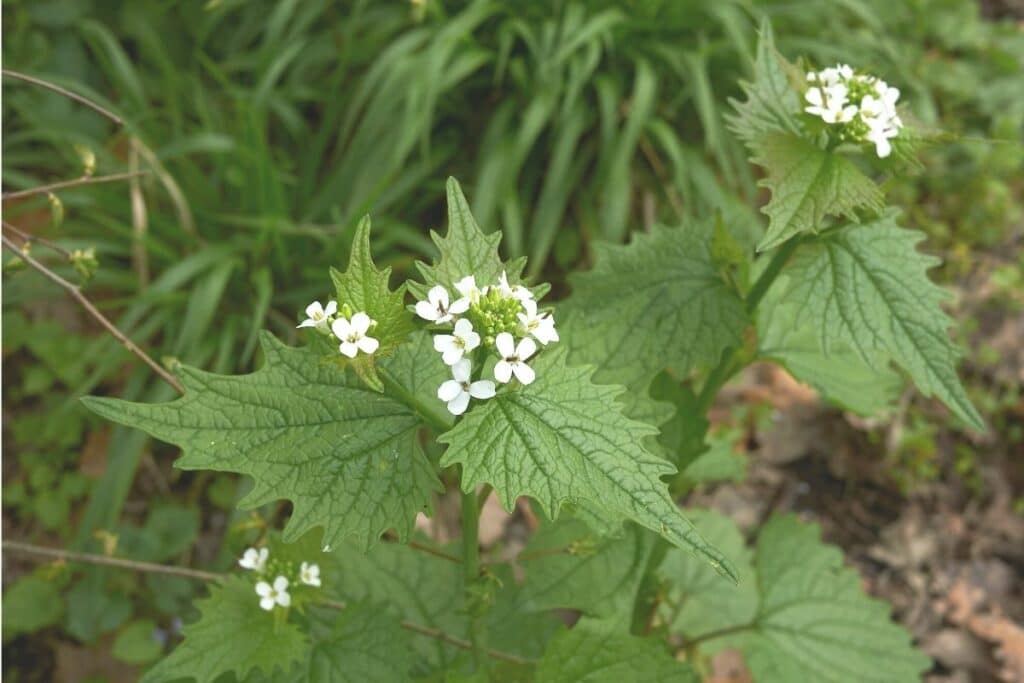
[309,322]
[315,581]
[314,310]
[263,589]
[482,389]
[267,603]
[426,310]
[438,294]
[443,342]
[449,390]
[463,327]
[545,332]
[814,97]
[470,341]
[526,348]
[883,148]
[503,371]
[524,373]
[280,584]
[341,328]
[368,344]
[459,306]
[452,355]
[530,306]
[458,405]
[349,349]
[332,308]
[462,370]
[467,287]
[505,344]
[284,599]
[360,322]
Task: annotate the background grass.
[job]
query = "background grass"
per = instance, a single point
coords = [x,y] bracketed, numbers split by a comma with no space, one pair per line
[270,128]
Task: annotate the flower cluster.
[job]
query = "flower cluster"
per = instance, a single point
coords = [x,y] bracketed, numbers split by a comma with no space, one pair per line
[857,107]
[274,592]
[351,329]
[490,318]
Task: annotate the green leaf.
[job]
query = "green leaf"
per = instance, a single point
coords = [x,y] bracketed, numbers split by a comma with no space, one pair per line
[866,288]
[699,600]
[840,377]
[465,250]
[365,288]
[29,604]
[365,644]
[599,652]
[807,618]
[94,609]
[772,104]
[720,462]
[347,457]
[428,591]
[417,370]
[814,621]
[561,439]
[658,302]
[808,184]
[568,566]
[233,634]
[137,643]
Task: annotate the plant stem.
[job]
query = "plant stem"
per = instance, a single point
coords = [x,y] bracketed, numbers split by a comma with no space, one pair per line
[730,362]
[471,566]
[186,572]
[64,184]
[430,414]
[94,312]
[711,635]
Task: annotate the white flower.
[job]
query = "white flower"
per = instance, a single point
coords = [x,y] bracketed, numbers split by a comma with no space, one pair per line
[309,574]
[830,104]
[352,334]
[273,595]
[462,340]
[254,559]
[318,316]
[457,392]
[469,291]
[513,359]
[514,291]
[542,326]
[880,137]
[437,309]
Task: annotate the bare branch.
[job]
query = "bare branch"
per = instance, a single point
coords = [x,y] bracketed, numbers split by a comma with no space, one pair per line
[64,184]
[149,567]
[28,237]
[424,548]
[66,93]
[75,292]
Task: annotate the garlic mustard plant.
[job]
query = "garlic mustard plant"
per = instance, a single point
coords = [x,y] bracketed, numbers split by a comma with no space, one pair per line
[459,377]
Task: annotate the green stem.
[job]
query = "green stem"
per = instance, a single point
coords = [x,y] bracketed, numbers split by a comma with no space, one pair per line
[730,362]
[471,567]
[431,414]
